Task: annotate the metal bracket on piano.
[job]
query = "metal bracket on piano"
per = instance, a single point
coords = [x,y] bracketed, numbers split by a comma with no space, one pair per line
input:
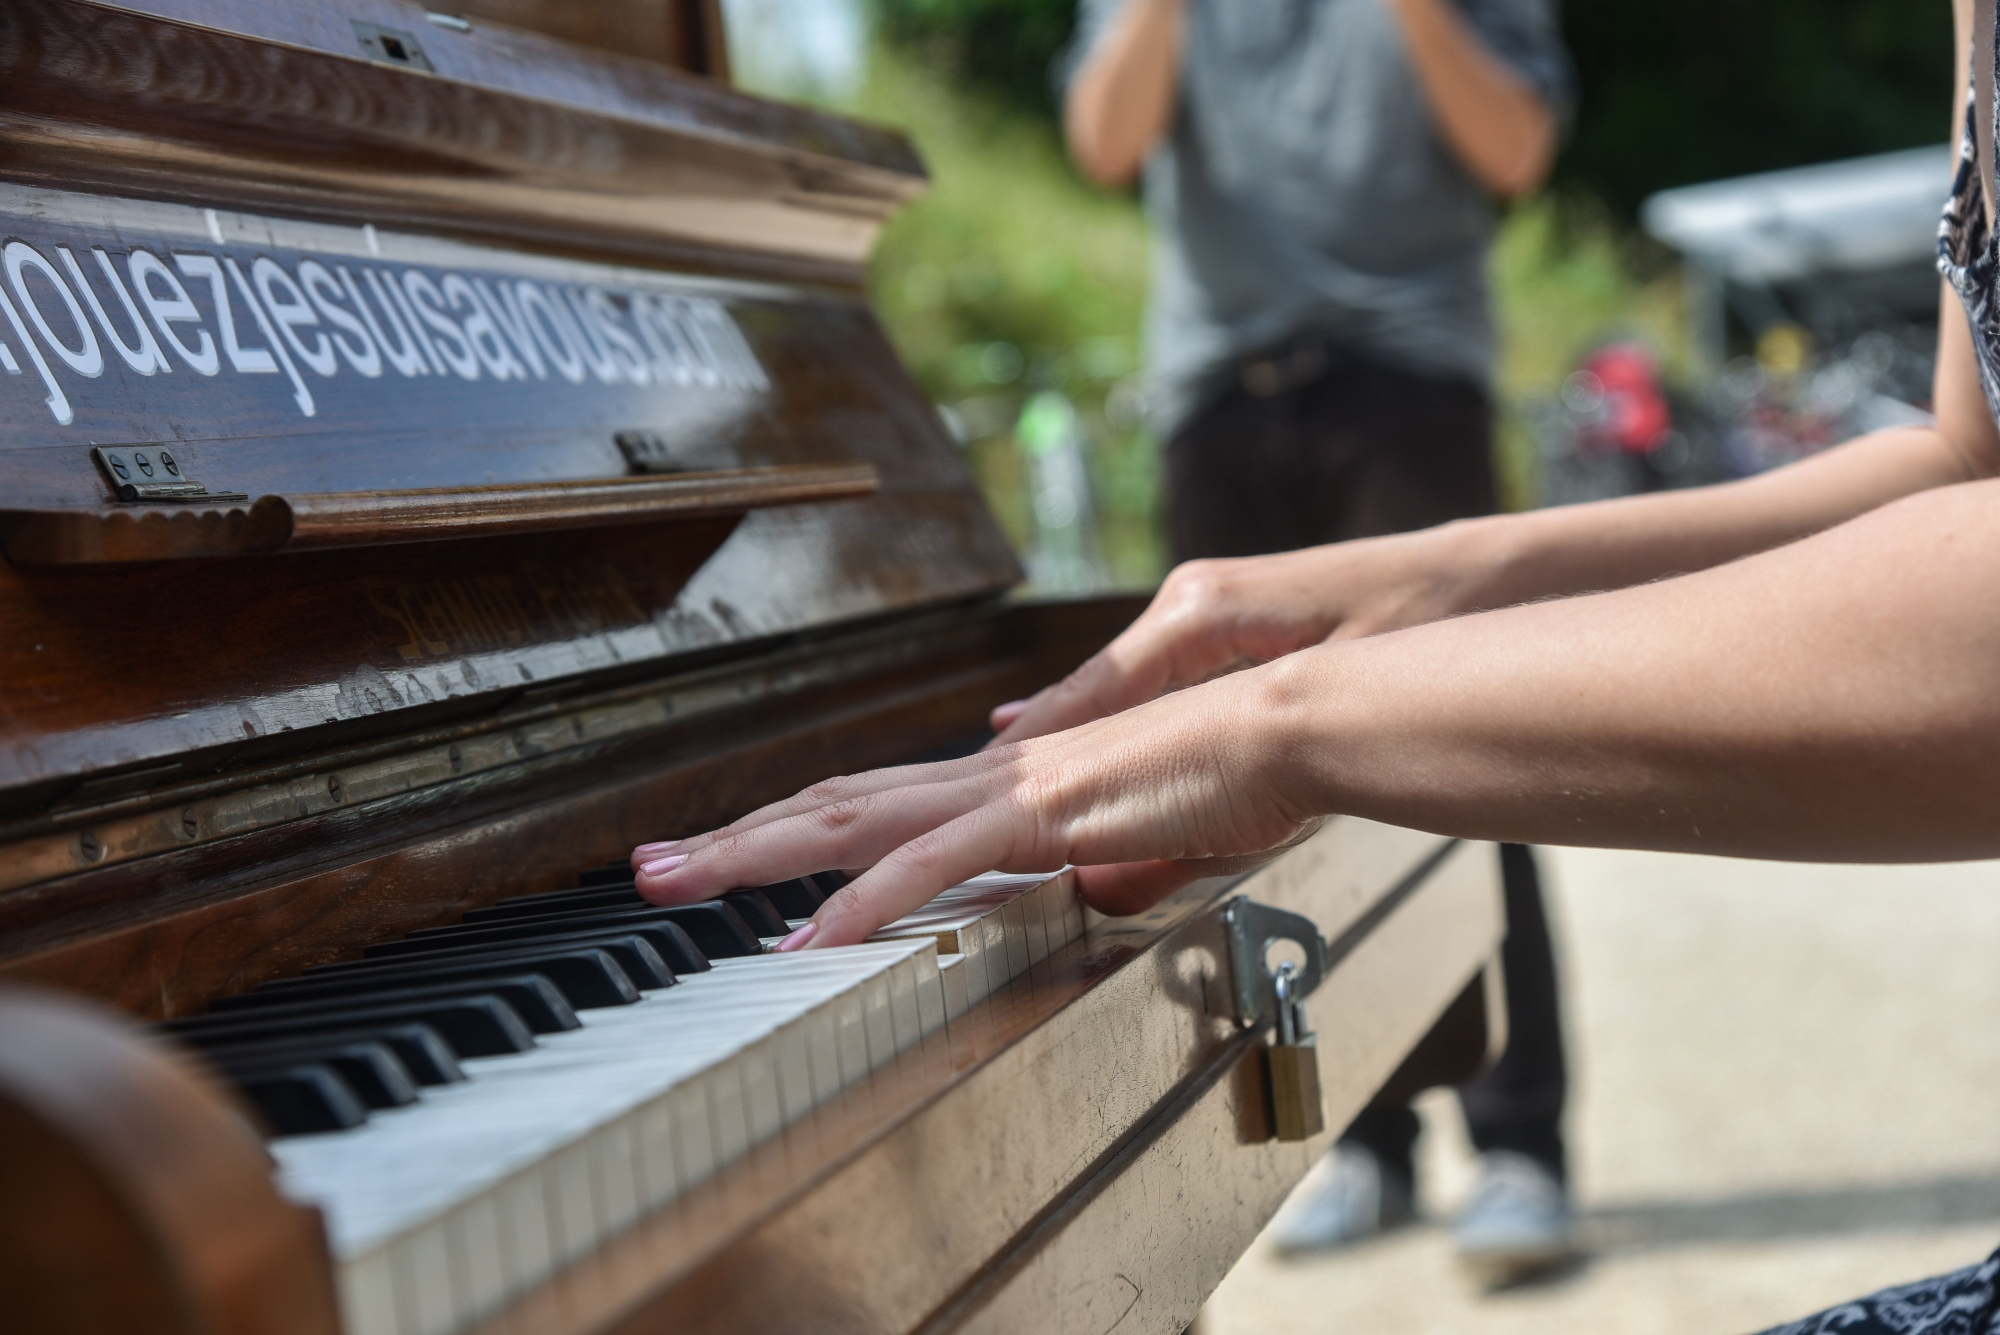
[151,473]
[1253,929]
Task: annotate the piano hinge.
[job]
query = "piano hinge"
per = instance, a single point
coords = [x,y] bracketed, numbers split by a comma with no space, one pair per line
[648,452]
[1253,929]
[152,473]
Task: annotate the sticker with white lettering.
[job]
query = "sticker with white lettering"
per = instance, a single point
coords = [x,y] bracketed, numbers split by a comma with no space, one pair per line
[142,318]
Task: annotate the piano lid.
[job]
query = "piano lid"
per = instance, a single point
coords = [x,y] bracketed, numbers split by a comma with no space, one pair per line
[565,372]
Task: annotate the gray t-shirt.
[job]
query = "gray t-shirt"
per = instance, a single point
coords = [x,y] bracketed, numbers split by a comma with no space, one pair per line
[1305,190]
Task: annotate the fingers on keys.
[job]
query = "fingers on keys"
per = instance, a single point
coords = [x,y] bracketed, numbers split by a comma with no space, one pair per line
[1003,716]
[919,871]
[1132,887]
[849,823]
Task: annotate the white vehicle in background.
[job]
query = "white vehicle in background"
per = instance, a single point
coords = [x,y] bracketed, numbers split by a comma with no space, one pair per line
[1812,318]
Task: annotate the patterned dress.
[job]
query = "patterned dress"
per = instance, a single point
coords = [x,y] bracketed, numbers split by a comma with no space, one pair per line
[1966,254]
[1965,1302]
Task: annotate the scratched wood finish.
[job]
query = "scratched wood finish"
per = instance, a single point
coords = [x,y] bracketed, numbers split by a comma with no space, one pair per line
[111,536]
[161,936]
[684,34]
[137,1198]
[513,135]
[810,380]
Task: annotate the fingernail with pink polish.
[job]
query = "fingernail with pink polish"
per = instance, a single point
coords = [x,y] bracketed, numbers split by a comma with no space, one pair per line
[797,940]
[646,852]
[663,865]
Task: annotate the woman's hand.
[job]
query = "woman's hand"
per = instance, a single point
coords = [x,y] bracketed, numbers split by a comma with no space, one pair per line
[1200,783]
[1211,617]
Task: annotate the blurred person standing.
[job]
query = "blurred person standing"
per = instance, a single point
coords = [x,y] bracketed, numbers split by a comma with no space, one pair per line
[1322,177]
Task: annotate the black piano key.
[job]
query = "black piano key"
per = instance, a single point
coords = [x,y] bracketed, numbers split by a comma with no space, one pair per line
[717,929]
[481,1026]
[301,1100]
[558,902]
[423,1052]
[641,956]
[757,910]
[829,881]
[798,898]
[670,944]
[371,1070]
[612,873]
[536,1000]
[586,978]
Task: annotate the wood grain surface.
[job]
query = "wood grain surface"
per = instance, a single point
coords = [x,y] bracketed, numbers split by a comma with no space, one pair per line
[159,935]
[507,134]
[138,1198]
[686,35]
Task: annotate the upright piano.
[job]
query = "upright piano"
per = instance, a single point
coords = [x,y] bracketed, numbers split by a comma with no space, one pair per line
[442,450]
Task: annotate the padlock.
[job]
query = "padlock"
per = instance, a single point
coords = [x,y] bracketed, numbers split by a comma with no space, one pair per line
[1292,1065]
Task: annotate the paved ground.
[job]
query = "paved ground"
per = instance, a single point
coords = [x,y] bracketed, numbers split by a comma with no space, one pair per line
[1787,1092]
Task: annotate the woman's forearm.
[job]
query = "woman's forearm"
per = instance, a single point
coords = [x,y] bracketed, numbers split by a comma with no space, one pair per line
[1835,699]
[1122,99]
[1211,616]
[1617,543]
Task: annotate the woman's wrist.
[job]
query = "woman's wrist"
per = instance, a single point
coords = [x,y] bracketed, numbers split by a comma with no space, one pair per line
[1304,715]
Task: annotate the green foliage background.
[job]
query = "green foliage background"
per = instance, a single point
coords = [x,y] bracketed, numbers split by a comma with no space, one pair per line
[1013,275]
[1672,91]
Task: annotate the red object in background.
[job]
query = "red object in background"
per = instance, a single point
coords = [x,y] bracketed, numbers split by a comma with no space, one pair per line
[1634,417]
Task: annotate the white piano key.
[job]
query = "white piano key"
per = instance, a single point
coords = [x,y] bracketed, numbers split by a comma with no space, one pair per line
[572,1204]
[1035,926]
[972,971]
[902,981]
[757,1066]
[795,1086]
[694,1145]
[425,1303]
[823,1054]
[992,928]
[441,1211]
[952,973]
[1055,926]
[653,1143]
[1015,918]
[1072,907]
[851,1029]
[968,935]
[728,1117]
[524,1223]
[881,1029]
[368,1295]
[476,1230]
[930,993]
[616,1172]
[986,923]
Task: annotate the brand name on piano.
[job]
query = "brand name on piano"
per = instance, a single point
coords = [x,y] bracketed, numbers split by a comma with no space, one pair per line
[73,316]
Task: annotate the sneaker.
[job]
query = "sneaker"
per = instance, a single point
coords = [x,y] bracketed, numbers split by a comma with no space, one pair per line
[1347,1197]
[1518,1223]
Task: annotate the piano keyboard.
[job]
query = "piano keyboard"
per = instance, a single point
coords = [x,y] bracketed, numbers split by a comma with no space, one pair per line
[476,1105]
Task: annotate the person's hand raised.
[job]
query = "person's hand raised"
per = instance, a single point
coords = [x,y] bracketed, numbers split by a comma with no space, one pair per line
[1194,785]
[1211,617]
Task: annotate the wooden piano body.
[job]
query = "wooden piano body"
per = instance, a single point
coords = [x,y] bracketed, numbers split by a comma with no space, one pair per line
[520,474]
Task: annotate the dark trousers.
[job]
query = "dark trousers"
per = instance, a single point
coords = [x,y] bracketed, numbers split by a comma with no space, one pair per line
[1356,452]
